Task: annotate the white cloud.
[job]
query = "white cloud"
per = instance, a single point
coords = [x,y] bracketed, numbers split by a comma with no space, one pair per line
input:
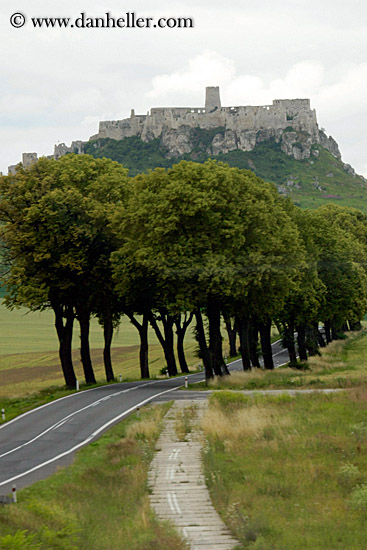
[207,68]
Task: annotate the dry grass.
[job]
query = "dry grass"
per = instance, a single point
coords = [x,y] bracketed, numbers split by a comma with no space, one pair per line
[242,378]
[342,364]
[250,421]
[289,473]
[147,429]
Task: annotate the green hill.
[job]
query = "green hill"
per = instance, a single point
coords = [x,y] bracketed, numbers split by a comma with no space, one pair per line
[311,182]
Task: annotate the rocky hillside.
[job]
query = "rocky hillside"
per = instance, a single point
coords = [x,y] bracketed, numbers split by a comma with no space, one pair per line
[309,172]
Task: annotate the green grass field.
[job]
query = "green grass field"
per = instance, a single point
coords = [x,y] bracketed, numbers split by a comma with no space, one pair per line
[25,332]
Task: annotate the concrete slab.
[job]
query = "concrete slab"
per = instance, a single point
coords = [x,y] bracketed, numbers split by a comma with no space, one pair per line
[178,490]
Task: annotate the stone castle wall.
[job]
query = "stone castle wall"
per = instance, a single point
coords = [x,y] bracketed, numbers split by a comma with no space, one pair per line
[281,114]
[290,122]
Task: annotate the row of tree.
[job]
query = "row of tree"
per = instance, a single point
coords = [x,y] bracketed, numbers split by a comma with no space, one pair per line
[201,241]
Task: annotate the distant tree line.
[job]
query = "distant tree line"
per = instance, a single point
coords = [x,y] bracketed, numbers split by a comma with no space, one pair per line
[196,241]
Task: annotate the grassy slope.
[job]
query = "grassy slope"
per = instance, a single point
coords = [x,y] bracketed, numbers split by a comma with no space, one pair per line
[98,503]
[266,160]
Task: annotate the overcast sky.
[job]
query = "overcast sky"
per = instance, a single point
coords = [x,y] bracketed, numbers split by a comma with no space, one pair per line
[57,84]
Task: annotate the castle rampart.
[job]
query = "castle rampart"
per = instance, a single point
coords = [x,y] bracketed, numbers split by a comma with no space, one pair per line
[289,121]
[281,114]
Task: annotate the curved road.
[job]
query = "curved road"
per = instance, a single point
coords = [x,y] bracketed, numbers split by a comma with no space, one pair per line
[34,444]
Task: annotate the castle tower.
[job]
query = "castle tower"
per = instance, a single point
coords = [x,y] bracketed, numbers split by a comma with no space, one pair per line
[212,99]
[28,159]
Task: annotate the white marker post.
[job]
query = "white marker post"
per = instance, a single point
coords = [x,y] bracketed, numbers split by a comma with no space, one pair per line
[77,385]
[138,412]
[186,382]
[120,377]
[3,414]
[14,493]
[167,373]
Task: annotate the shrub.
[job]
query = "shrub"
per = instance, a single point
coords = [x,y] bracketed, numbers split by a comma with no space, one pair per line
[348,476]
[358,499]
[360,431]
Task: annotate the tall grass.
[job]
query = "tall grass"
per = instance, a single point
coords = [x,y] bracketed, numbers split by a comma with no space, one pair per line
[101,502]
[289,473]
[342,364]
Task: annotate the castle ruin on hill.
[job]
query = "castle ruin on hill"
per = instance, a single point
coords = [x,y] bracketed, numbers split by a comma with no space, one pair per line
[290,122]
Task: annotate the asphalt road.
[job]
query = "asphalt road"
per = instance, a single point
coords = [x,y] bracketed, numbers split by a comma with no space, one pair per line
[35,444]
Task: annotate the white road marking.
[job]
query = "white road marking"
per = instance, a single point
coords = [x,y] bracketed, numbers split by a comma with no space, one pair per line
[174,454]
[170,503]
[88,439]
[60,424]
[56,425]
[173,503]
[279,352]
[77,394]
[170,472]
[174,498]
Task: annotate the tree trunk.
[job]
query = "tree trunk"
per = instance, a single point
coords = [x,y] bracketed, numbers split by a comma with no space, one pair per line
[265,338]
[328,332]
[166,341]
[232,334]
[181,331]
[243,325]
[301,341]
[319,336]
[83,316]
[215,337]
[254,339]
[65,335]
[144,346]
[289,343]
[108,333]
[311,341]
[204,352]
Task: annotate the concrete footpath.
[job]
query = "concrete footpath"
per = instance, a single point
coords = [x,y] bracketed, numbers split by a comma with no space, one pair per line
[179,493]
